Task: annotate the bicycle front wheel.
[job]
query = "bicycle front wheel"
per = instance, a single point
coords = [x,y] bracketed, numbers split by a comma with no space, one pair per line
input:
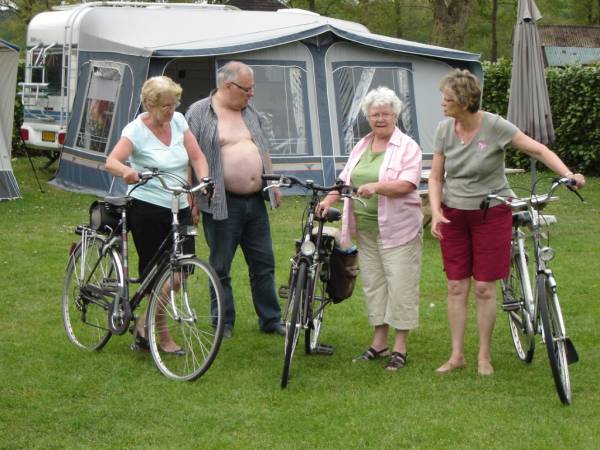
[93,280]
[554,337]
[514,303]
[293,319]
[185,319]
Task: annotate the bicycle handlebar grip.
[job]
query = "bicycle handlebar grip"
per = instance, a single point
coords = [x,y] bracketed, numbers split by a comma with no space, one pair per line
[270,177]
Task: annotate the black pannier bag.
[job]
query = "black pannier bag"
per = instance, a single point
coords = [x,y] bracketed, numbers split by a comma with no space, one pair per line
[343,269]
[104,217]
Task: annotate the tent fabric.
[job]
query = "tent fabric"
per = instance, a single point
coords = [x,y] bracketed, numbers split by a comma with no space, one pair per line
[528,105]
[9,55]
[104,29]
[189,41]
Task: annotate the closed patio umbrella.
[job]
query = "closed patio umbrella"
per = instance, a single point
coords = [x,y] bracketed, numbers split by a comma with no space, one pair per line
[528,105]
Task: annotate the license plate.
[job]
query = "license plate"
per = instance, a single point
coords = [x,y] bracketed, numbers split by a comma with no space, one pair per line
[48,136]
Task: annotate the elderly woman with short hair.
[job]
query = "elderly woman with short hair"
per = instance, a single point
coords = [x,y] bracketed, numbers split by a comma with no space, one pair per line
[468,164]
[385,167]
[160,138]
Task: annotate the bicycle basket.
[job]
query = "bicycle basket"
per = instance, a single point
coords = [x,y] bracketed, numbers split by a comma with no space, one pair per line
[343,269]
[104,217]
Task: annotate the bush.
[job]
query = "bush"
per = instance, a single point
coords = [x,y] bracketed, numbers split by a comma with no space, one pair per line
[575,112]
[18,148]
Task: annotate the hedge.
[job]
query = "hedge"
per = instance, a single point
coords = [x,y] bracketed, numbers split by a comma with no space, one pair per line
[574,93]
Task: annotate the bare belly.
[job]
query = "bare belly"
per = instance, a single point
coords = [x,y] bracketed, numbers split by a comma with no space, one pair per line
[242,167]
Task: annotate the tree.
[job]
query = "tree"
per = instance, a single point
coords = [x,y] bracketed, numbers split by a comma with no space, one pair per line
[494,46]
[450,19]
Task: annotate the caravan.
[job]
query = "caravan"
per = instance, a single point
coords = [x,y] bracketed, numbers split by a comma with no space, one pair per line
[310,74]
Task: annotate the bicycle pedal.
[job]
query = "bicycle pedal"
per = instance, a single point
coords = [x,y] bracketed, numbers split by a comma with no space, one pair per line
[511,306]
[324,349]
[283,291]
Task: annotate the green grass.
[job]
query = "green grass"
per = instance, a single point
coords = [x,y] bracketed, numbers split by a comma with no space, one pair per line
[54,395]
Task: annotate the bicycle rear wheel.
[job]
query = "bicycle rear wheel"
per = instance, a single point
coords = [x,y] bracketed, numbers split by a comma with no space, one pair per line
[519,319]
[93,280]
[185,319]
[316,311]
[554,337]
[293,319]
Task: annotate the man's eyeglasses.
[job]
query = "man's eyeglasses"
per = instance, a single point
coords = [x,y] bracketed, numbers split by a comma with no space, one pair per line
[245,89]
[385,116]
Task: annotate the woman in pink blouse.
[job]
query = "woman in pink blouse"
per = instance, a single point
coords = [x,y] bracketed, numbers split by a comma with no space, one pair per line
[385,168]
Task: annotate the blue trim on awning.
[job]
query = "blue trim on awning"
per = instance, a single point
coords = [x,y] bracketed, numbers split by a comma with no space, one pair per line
[9,45]
[399,46]
[437,52]
[166,53]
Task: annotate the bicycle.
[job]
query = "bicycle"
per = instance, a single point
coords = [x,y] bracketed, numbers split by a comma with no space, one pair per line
[535,309]
[309,289]
[186,297]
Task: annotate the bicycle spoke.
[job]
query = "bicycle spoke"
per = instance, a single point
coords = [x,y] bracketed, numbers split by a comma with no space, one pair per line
[86,300]
[186,325]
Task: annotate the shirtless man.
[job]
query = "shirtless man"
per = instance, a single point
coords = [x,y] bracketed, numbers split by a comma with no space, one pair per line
[230,134]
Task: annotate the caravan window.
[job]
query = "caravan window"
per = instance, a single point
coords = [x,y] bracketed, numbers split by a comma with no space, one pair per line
[281,98]
[48,70]
[353,81]
[97,118]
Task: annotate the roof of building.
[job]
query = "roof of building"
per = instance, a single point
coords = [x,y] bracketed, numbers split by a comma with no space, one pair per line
[562,56]
[570,35]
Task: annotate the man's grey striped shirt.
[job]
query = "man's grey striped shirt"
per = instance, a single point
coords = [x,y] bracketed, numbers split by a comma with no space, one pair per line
[202,120]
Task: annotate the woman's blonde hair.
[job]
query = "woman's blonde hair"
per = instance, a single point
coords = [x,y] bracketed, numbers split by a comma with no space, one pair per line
[466,87]
[155,88]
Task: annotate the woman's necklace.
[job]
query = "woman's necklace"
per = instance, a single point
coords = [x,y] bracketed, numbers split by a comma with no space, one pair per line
[463,134]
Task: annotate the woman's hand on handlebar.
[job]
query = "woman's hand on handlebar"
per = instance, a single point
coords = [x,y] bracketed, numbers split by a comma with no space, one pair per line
[578,178]
[131,176]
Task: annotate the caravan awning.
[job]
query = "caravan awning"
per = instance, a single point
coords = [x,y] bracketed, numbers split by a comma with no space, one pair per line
[173,32]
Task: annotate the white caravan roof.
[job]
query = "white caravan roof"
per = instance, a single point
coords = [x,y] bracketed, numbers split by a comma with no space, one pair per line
[171,30]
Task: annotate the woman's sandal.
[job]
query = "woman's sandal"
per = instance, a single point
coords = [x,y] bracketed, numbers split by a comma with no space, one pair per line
[371,354]
[397,361]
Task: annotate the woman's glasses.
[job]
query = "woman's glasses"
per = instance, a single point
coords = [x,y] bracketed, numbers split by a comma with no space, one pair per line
[386,116]
[170,106]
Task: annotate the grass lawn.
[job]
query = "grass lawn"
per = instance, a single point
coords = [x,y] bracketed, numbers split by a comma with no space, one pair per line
[54,395]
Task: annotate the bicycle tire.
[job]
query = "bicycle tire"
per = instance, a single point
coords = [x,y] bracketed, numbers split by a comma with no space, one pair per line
[93,278]
[554,337]
[316,311]
[191,318]
[519,320]
[293,321]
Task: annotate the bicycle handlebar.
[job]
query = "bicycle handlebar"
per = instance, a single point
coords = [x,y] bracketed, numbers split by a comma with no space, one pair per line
[290,180]
[534,201]
[206,185]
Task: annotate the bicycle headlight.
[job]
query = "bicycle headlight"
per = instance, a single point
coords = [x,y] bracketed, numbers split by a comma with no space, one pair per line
[546,254]
[308,248]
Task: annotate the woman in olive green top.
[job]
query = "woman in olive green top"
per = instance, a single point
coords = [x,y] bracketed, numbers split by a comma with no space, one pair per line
[468,163]
[385,167]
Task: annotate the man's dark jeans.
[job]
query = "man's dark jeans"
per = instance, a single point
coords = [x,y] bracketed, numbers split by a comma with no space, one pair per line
[247,225]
